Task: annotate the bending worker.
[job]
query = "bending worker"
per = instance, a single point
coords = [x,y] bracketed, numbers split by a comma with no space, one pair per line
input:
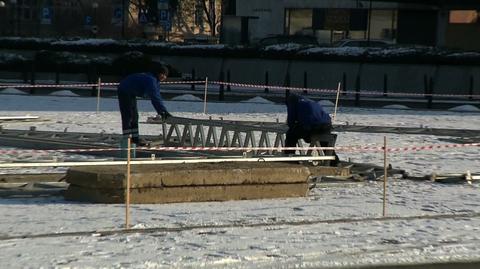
[140,85]
[305,118]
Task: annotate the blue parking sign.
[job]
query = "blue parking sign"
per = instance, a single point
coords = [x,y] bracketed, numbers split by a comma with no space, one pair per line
[46,17]
[88,20]
[117,13]
[164,15]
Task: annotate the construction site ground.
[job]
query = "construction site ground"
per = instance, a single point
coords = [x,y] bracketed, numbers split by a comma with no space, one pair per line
[431,218]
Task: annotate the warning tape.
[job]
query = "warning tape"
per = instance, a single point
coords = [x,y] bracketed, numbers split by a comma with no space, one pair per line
[244,85]
[334,91]
[340,149]
[88,85]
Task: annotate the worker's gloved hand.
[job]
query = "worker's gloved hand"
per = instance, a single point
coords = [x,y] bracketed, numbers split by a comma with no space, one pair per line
[165,115]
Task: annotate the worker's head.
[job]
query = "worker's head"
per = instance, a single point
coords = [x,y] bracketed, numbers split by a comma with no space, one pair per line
[292,99]
[160,71]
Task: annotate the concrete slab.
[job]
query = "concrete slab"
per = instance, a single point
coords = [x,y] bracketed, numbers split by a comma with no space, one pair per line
[201,174]
[187,194]
[171,183]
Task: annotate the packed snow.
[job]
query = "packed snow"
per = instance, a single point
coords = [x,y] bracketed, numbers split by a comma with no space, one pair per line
[335,226]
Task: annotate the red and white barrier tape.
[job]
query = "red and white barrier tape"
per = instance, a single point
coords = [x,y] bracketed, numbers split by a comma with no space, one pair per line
[334,91]
[48,85]
[244,85]
[89,85]
[339,149]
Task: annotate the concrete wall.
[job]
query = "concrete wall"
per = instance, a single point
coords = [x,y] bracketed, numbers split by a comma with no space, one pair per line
[409,78]
[465,36]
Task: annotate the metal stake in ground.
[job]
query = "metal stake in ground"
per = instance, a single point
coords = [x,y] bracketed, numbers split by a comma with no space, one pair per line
[127,187]
[205,96]
[99,84]
[336,101]
[385,164]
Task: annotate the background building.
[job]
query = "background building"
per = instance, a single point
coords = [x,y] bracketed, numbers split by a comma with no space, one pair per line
[452,23]
[153,19]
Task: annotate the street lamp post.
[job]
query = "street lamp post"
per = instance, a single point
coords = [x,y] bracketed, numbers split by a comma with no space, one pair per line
[15,19]
[95,26]
[2,6]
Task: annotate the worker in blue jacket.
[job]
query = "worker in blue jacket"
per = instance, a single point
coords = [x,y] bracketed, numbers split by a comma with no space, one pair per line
[140,85]
[305,118]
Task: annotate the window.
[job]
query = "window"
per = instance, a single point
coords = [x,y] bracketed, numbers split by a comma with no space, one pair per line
[463,16]
[298,21]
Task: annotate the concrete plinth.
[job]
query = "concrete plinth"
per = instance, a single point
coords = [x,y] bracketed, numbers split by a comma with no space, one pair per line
[187,182]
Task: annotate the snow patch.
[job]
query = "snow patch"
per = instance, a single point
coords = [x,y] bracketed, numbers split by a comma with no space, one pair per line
[258,100]
[465,108]
[284,47]
[13,91]
[344,51]
[186,97]
[63,93]
[396,107]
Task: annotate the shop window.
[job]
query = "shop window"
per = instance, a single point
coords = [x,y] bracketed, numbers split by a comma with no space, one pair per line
[463,16]
[298,21]
[383,25]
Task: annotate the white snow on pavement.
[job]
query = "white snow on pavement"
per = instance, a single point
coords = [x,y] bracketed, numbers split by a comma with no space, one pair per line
[319,244]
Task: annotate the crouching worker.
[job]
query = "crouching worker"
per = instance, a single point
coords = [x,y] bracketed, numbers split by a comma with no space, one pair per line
[140,85]
[306,118]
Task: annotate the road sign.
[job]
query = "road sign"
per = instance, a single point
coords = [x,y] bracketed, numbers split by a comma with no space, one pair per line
[117,15]
[88,20]
[164,19]
[164,15]
[142,17]
[46,16]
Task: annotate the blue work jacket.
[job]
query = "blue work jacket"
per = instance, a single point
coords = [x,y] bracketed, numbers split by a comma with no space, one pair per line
[306,113]
[143,85]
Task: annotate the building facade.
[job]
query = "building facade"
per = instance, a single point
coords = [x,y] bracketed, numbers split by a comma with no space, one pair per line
[152,19]
[445,23]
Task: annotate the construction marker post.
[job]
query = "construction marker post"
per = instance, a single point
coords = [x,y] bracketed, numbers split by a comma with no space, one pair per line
[99,84]
[336,100]
[385,175]
[127,187]
[205,96]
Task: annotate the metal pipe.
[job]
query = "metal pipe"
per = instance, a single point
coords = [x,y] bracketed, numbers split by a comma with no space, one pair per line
[220,160]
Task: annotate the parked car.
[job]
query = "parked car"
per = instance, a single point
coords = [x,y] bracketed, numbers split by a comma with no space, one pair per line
[287,39]
[362,43]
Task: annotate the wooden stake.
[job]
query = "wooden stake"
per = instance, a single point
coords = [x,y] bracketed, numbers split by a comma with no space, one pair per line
[336,101]
[385,165]
[205,97]
[127,187]
[99,83]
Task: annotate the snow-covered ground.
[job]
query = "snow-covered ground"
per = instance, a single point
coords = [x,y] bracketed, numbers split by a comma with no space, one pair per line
[296,233]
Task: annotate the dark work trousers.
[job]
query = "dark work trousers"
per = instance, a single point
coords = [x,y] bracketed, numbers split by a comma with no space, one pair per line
[129,112]
[297,132]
